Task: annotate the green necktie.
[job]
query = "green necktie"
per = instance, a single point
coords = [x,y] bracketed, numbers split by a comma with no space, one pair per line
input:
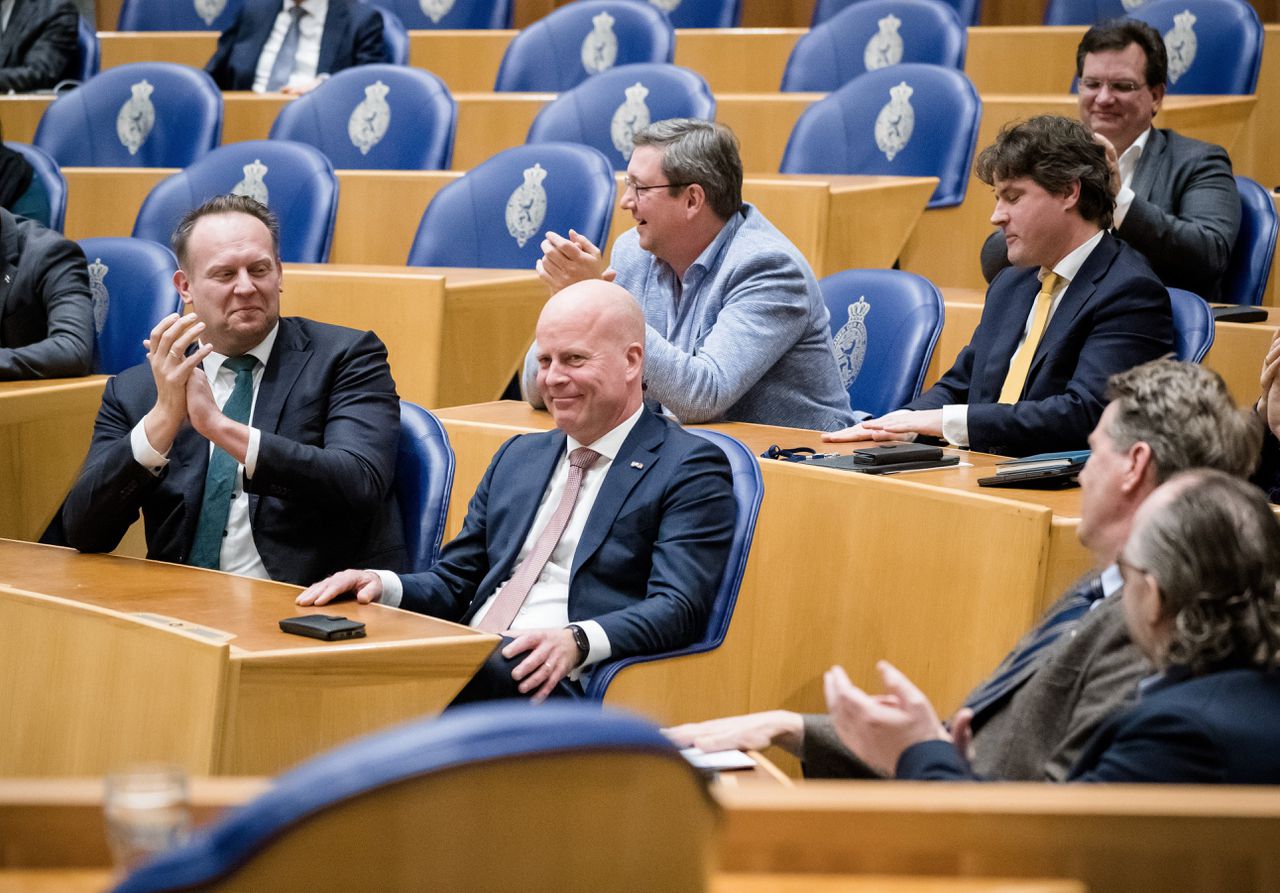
[220,480]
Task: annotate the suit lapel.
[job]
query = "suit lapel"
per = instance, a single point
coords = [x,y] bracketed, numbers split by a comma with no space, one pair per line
[1144,176]
[335,25]
[288,358]
[1010,323]
[23,10]
[524,498]
[632,463]
[1077,296]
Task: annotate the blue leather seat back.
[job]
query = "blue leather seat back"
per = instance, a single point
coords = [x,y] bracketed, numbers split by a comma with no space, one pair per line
[906,120]
[131,281]
[1245,281]
[384,117]
[885,324]
[582,39]
[496,214]
[604,111]
[461,14]
[1083,12]
[1214,46]
[748,491]
[146,114]
[700,13]
[298,181]
[88,50]
[395,37]
[424,479]
[874,34]
[55,185]
[1192,325]
[178,15]
[968,11]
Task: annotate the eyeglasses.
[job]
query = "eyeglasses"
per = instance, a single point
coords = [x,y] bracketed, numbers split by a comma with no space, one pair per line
[1122,88]
[632,186]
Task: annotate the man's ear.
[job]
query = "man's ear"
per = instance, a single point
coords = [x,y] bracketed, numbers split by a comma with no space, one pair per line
[183,285]
[1071,196]
[1142,468]
[695,197]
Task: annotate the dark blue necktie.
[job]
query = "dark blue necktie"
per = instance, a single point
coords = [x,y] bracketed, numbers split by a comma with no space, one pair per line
[282,69]
[220,479]
[1022,661]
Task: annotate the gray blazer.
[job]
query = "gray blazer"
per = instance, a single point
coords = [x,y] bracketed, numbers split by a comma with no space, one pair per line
[1038,732]
[1184,217]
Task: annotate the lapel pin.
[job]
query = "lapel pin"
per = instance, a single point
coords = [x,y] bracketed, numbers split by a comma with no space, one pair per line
[637,465]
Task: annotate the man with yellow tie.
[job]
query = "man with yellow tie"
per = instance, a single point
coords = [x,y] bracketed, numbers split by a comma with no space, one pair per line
[1077,306]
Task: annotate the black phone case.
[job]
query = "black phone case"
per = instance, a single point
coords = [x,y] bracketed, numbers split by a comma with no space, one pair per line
[329,627]
[897,453]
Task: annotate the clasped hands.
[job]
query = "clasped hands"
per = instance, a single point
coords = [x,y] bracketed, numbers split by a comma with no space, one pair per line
[575,259]
[182,396]
[1269,403]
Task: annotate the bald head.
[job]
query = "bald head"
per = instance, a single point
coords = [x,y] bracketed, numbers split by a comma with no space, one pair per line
[591,358]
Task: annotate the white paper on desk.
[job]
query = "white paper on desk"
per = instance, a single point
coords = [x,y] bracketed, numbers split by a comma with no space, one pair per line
[939,468]
[718,761]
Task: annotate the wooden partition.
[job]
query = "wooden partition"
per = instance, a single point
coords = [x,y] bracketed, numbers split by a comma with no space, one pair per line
[845,568]
[1114,838]
[108,661]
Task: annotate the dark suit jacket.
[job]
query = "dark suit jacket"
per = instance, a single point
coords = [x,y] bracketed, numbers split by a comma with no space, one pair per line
[320,499]
[651,553]
[352,36]
[1038,732]
[1184,217]
[46,312]
[1218,728]
[38,49]
[1113,316]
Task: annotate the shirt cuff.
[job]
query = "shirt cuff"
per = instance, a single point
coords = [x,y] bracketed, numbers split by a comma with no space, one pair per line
[251,454]
[599,639]
[955,424]
[143,452]
[392,588]
[1123,200]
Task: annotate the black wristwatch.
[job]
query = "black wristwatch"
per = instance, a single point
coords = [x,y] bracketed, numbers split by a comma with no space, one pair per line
[580,639]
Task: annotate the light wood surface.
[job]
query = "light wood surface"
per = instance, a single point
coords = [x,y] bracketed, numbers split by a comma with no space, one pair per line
[1113,838]
[45,427]
[845,568]
[207,680]
[1022,59]
[734,882]
[944,246]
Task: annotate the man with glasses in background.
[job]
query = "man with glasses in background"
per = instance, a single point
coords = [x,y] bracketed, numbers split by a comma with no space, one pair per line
[1176,201]
[736,326]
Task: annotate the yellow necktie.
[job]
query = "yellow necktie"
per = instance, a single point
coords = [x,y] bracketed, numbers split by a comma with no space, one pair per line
[1020,365]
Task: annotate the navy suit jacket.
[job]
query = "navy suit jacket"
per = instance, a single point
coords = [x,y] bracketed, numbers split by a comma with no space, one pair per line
[320,499]
[1218,728]
[38,49]
[1113,316]
[651,554]
[352,36]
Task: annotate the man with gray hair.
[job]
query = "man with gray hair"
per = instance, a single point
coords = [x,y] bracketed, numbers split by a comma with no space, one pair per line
[1030,719]
[737,328]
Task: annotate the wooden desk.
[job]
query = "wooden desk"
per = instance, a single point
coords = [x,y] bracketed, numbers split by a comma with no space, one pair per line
[945,244]
[844,568]
[1236,355]
[1113,838]
[45,427]
[737,882]
[206,680]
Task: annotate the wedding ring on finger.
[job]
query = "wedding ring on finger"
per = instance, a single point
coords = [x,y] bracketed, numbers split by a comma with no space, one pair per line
[177,356]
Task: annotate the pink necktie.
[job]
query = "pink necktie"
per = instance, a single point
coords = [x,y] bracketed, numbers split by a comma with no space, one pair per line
[509,601]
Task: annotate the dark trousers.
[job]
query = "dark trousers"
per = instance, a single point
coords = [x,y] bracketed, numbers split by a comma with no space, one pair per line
[493,680]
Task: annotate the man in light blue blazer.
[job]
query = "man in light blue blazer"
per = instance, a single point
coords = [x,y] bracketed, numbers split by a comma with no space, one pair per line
[631,563]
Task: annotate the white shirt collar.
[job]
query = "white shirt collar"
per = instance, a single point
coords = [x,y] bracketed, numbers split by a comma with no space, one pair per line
[313,7]
[608,445]
[1128,160]
[1112,581]
[1069,266]
[261,352]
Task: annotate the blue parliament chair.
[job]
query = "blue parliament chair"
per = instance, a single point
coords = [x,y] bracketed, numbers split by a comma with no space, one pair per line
[294,180]
[748,490]
[131,281]
[430,805]
[1245,281]
[584,38]
[907,120]
[88,50]
[871,35]
[495,214]
[146,114]
[1192,325]
[379,117]
[178,15]
[395,37]
[50,175]
[424,479]
[1214,46]
[968,11]
[421,15]
[885,324]
[700,13]
[606,110]
[1085,12]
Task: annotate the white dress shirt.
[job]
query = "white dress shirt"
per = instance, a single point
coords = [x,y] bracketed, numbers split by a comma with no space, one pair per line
[1128,163]
[955,416]
[310,30]
[239,552]
[6,10]
[547,605]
